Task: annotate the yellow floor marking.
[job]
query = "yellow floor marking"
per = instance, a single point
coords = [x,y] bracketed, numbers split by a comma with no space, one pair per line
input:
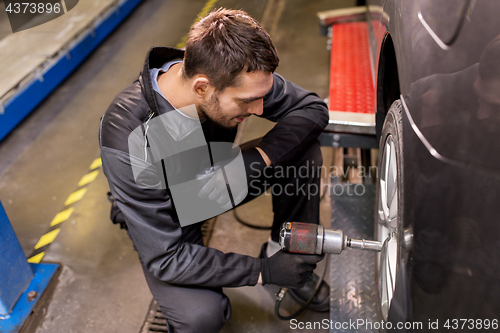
[207,8]
[88,178]
[47,238]
[36,259]
[62,216]
[97,163]
[64,6]
[182,43]
[75,196]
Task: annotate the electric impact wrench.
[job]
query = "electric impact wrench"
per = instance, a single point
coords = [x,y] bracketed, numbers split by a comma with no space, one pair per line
[307,238]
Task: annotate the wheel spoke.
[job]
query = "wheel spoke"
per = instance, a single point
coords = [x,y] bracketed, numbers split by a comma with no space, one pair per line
[390,279]
[384,181]
[393,208]
[391,173]
[383,200]
[388,284]
[381,215]
[387,160]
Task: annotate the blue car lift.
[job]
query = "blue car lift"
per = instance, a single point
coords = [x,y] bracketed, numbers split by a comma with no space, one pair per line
[30,95]
[21,283]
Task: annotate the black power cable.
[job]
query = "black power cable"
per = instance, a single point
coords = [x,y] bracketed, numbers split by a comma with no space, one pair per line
[283,291]
[239,219]
[259,227]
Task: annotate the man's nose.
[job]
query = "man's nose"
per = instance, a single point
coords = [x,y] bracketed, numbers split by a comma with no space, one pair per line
[257,107]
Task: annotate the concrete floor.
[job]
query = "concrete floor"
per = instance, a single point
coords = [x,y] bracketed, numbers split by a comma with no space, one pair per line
[101,287]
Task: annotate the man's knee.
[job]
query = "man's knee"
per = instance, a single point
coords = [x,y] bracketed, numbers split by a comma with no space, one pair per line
[210,318]
[310,162]
[209,314]
[313,155]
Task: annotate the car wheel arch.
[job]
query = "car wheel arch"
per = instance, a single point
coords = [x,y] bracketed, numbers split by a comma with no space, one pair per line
[388,88]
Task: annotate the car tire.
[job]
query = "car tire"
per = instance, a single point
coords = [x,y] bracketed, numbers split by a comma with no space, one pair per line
[391,274]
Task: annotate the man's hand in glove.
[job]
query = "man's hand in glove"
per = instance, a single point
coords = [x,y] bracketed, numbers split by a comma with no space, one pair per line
[287,269]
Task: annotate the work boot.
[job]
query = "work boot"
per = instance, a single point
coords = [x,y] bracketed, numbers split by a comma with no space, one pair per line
[320,302]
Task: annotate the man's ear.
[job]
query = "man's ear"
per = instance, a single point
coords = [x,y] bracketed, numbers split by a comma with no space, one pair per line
[201,86]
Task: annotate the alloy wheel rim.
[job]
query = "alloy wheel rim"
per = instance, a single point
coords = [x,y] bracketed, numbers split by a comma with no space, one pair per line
[387,225]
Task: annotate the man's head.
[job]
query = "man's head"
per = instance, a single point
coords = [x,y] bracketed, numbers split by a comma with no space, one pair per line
[229,60]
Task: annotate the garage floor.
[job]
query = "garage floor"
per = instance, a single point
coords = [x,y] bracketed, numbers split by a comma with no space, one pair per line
[101,287]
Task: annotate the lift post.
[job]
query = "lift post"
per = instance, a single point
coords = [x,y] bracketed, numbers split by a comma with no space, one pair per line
[21,283]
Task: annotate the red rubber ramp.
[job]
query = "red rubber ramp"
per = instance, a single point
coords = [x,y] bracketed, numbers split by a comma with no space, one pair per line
[351,85]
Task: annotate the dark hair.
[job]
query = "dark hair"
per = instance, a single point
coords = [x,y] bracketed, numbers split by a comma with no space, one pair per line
[226,42]
[489,65]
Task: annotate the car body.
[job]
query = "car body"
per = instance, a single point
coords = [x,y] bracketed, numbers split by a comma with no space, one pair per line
[435,56]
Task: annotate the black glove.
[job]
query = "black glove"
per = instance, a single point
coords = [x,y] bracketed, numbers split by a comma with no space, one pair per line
[288,270]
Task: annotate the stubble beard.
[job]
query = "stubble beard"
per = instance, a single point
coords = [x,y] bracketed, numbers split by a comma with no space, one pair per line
[213,113]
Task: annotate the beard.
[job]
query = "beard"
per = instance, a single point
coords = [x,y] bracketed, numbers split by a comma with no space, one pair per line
[214,114]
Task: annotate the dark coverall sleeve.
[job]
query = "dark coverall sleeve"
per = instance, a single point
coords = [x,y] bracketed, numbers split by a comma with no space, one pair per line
[301,116]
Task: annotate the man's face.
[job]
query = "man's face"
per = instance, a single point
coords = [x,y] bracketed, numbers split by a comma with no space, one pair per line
[231,106]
